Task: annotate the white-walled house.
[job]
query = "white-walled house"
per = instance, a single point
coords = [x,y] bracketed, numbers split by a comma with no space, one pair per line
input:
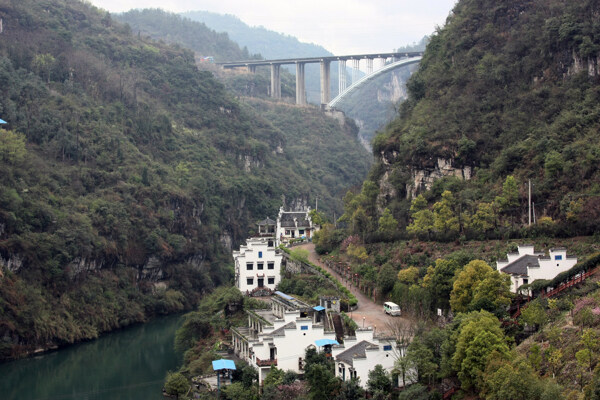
[294,224]
[526,265]
[279,336]
[257,265]
[360,354]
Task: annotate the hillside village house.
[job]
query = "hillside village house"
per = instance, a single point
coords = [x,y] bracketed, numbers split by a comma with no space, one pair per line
[526,265]
[257,265]
[282,335]
[294,224]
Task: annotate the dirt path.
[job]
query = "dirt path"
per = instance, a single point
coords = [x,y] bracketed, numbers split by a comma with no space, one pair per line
[368,313]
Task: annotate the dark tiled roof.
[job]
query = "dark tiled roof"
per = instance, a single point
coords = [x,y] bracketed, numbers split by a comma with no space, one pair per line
[358,350]
[267,221]
[519,266]
[281,331]
[287,219]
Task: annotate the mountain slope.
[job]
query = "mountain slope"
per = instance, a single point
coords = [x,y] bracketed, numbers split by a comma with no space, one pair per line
[507,88]
[127,175]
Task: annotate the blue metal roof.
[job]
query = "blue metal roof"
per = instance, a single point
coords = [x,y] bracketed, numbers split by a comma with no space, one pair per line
[318,308]
[285,296]
[223,364]
[325,342]
[3,121]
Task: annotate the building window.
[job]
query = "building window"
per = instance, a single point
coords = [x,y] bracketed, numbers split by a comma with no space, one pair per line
[387,347]
[260,254]
[260,265]
[525,281]
[287,232]
[250,281]
[303,327]
[558,257]
[270,243]
[270,265]
[301,231]
[249,266]
[271,281]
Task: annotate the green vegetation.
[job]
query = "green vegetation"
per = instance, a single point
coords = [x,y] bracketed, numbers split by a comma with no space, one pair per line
[124,169]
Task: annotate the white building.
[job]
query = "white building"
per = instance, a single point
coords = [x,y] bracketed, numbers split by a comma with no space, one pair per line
[294,225]
[257,265]
[359,355]
[279,336]
[525,266]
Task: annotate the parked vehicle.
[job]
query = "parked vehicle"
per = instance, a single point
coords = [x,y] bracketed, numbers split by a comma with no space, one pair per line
[391,308]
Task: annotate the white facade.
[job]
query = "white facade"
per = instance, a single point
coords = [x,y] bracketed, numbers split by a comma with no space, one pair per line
[257,264]
[359,355]
[294,225]
[281,341]
[527,266]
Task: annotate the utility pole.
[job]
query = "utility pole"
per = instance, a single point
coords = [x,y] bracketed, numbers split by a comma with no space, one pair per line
[530,202]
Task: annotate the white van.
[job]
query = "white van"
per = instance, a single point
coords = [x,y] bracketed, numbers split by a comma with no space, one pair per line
[391,308]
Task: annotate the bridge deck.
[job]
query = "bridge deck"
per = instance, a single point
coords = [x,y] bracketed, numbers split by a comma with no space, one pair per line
[308,60]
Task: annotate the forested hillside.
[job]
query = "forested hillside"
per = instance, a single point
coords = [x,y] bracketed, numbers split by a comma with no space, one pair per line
[506,92]
[193,35]
[122,166]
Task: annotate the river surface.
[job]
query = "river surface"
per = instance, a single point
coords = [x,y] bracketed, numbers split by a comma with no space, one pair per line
[130,364]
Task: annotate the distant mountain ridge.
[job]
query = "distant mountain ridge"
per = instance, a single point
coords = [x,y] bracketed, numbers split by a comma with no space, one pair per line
[258,39]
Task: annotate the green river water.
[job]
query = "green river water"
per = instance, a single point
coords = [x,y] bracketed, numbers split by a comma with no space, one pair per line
[129,364]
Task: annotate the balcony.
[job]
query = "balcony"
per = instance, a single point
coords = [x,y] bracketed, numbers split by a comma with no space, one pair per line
[265,363]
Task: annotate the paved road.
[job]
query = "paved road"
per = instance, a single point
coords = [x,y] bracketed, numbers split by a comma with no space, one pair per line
[368,313]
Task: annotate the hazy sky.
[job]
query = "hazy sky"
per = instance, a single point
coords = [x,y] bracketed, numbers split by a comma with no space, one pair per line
[342,27]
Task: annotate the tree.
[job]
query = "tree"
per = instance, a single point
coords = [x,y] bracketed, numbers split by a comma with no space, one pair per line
[479,335]
[317,217]
[274,377]
[478,286]
[534,314]
[44,63]
[176,384]
[510,195]
[421,359]
[506,380]
[439,281]
[387,224]
[484,218]
[386,279]
[12,147]
[379,380]
[408,275]
[351,390]
[322,382]
[422,218]
[445,220]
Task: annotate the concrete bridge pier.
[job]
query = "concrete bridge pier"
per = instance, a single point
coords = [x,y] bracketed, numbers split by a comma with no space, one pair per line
[355,69]
[251,68]
[325,81]
[342,75]
[300,83]
[275,81]
[369,66]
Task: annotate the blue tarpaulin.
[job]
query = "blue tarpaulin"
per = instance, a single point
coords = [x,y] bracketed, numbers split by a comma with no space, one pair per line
[3,121]
[324,342]
[223,364]
[318,308]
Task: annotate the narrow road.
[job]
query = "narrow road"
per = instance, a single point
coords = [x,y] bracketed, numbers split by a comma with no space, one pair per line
[368,313]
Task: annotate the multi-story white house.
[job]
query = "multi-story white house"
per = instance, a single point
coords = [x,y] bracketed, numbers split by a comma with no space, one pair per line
[294,224]
[257,265]
[280,336]
[526,265]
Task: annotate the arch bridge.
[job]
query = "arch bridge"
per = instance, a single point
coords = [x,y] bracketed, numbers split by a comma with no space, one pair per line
[388,61]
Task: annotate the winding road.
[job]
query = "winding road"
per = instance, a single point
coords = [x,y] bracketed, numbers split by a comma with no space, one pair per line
[368,312]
